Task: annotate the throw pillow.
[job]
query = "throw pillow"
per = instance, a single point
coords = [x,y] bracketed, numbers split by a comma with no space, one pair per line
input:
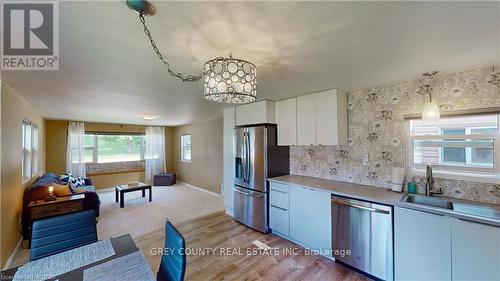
[76,182]
[65,178]
[61,190]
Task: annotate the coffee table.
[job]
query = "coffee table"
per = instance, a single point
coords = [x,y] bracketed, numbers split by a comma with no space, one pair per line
[124,188]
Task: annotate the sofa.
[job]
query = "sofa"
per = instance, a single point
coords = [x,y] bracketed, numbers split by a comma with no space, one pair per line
[39,190]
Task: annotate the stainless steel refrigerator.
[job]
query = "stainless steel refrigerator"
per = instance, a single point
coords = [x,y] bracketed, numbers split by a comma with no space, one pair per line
[257,158]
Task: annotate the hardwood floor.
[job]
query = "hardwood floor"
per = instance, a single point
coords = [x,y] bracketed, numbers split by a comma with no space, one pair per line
[222,234]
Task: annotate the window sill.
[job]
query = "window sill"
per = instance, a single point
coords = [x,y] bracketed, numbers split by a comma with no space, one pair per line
[114,167]
[484,178]
[112,173]
[185,161]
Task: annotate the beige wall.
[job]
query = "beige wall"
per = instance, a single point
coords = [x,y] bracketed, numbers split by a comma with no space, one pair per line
[205,168]
[55,139]
[13,110]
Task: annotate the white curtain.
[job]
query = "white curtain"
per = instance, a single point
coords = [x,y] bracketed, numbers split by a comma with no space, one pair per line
[155,152]
[75,162]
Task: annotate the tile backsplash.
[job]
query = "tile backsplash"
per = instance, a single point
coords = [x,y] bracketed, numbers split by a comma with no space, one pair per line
[376,127]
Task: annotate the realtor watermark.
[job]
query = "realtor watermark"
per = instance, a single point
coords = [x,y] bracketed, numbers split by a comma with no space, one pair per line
[30,35]
[251,251]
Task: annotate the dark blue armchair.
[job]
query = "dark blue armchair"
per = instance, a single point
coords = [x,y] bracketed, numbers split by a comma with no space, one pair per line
[58,234]
[173,261]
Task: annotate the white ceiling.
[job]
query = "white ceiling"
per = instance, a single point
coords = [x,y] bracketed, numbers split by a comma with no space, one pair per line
[108,72]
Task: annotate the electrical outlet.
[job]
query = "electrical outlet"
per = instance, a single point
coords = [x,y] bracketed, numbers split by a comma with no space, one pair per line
[366,159]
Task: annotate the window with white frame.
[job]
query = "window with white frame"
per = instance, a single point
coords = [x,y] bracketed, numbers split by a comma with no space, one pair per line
[459,146]
[186,148]
[113,147]
[26,151]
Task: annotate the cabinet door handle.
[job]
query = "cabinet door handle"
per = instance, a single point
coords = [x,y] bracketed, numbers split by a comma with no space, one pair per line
[284,192]
[283,209]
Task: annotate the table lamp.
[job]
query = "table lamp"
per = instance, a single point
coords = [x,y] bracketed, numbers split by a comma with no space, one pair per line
[51,196]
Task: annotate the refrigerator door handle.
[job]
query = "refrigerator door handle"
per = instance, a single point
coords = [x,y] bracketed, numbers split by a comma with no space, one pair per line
[244,161]
[248,167]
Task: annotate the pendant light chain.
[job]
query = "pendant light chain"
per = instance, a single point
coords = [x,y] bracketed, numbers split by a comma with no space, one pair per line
[226,80]
[183,77]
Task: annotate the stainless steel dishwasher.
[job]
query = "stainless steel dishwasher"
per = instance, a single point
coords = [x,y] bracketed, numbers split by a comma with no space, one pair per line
[365,229]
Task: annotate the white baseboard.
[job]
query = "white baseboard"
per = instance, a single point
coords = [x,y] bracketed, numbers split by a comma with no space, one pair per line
[201,189]
[229,212]
[14,253]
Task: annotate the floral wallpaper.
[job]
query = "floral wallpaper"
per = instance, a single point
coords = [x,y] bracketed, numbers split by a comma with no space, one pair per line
[376,127]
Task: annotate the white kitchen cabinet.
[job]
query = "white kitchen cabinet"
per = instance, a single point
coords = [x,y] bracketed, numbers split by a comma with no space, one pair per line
[310,217]
[243,114]
[306,120]
[422,245]
[279,217]
[322,118]
[263,112]
[331,117]
[475,251]
[286,118]
[228,158]
[256,113]
[279,220]
[228,172]
[229,120]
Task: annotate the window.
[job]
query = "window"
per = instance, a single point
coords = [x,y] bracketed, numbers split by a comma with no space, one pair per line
[34,151]
[26,151]
[186,148]
[462,146]
[108,148]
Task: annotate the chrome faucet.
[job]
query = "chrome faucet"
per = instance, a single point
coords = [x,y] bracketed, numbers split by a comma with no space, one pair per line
[429,182]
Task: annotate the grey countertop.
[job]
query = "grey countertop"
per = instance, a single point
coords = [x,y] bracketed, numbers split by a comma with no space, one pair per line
[384,196]
[357,191]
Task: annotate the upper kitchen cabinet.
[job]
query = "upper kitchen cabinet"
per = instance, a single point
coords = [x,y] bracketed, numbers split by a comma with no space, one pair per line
[229,120]
[306,120]
[255,113]
[331,117]
[322,118]
[286,118]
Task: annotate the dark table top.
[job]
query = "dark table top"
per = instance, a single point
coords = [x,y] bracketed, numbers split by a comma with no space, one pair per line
[122,245]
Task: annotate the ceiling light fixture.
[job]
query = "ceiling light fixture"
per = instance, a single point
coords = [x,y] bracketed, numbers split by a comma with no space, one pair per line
[227,80]
[430,113]
[149,117]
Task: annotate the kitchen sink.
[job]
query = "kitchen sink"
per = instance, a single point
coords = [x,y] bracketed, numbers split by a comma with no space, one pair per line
[430,201]
[456,205]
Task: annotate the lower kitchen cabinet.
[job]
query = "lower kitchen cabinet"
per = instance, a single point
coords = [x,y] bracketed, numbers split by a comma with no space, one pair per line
[475,251]
[279,220]
[437,247]
[279,216]
[310,217]
[422,245]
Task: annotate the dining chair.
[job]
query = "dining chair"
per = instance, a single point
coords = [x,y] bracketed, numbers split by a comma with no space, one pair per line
[173,260]
[58,234]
